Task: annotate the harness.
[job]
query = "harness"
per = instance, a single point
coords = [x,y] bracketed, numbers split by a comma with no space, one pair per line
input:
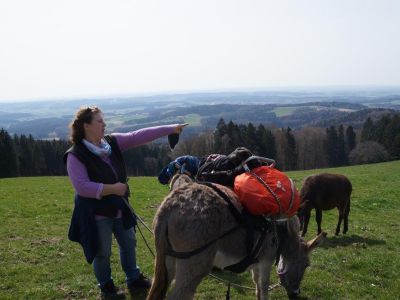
[250,222]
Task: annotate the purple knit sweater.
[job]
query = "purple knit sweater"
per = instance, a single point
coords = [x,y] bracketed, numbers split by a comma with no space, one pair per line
[77,171]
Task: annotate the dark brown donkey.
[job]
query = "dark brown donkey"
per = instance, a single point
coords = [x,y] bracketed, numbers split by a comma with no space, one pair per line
[323,192]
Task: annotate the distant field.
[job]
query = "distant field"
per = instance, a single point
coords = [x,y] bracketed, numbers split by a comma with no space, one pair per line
[38,262]
[121,120]
[284,111]
[193,119]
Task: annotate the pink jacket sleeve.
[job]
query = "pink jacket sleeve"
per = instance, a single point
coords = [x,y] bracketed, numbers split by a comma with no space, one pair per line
[142,136]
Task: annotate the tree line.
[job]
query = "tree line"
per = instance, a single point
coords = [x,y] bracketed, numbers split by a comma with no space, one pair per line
[22,155]
[305,148]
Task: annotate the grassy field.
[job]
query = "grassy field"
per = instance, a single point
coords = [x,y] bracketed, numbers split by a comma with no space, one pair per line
[284,111]
[193,119]
[37,261]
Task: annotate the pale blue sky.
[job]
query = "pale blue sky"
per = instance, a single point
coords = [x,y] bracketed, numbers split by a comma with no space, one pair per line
[72,48]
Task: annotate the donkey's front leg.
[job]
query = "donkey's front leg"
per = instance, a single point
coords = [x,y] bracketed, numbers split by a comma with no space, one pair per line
[318,218]
[261,272]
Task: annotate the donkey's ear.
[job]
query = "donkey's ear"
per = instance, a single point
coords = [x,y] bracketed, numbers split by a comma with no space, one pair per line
[179,180]
[316,241]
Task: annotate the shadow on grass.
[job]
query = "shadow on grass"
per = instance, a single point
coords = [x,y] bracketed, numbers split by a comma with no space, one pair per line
[137,295]
[353,240]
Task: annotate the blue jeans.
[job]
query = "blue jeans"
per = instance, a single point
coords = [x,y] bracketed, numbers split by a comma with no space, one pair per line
[127,250]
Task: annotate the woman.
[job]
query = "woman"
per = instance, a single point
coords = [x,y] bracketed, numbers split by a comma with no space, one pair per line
[96,169]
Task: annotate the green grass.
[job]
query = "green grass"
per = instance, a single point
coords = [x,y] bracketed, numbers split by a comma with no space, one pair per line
[284,111]
[37,261]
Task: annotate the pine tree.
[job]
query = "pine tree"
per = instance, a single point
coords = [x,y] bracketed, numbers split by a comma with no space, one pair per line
[8,161]
[290,150]
[25,155]
[39,162]
[331,146]
[266,142]
[270,150]
[350,139]
[235,138]
[395,149]
[220,137]
[390,139]
[379,129]
[16,141]
[367,133]
[251,138]
[341,154]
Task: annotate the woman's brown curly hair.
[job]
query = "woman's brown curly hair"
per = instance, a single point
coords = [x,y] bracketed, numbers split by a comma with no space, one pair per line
[83,115]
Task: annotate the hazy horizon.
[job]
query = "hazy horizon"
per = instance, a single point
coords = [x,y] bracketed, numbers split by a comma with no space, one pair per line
[389,90]
[65,50]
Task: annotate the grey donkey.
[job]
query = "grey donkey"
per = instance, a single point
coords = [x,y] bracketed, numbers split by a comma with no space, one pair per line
[193,214]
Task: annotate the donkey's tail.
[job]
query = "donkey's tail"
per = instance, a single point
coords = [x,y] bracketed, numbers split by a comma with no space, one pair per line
[159,286]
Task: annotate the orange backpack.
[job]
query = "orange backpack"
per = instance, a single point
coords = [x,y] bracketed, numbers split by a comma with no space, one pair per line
[267,191]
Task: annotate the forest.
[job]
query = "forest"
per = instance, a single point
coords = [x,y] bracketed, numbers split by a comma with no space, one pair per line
[293,149]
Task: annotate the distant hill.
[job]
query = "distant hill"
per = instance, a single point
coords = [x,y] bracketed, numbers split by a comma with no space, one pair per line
[280,108]
[357,118]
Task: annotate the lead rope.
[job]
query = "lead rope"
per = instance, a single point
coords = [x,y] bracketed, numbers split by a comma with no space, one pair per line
[228,292]
[145,241]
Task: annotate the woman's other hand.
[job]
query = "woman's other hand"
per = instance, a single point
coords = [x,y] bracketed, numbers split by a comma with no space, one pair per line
[118,189]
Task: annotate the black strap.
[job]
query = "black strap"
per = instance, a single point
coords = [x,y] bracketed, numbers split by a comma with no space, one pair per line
[252,253]
[236,213]
[177,254]
[228,292]
[281,232]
